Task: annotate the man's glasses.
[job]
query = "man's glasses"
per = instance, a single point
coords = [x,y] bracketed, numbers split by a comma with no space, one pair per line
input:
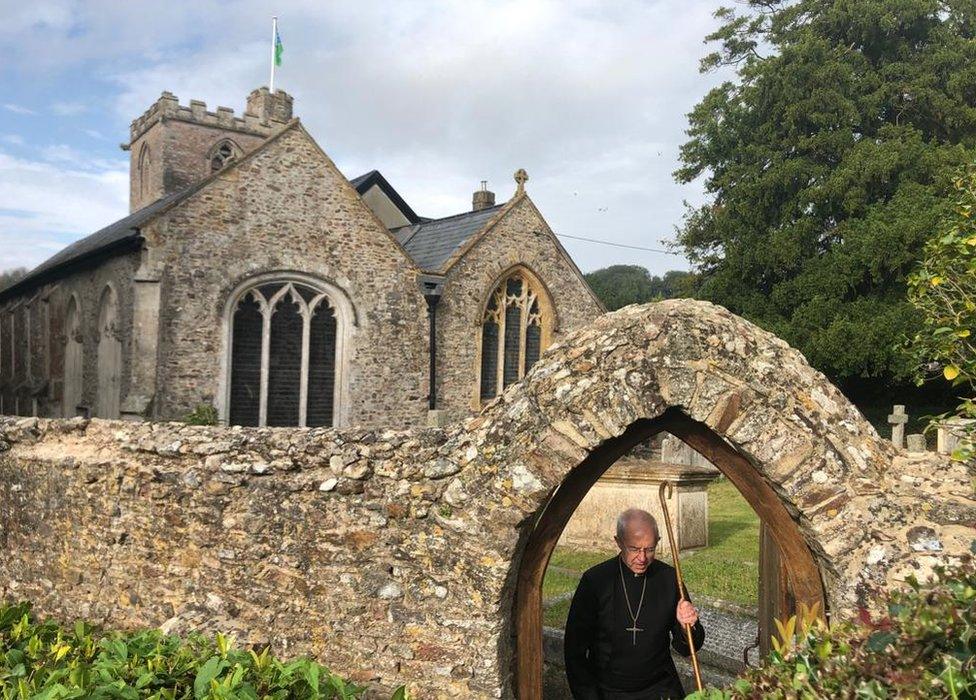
[648,551]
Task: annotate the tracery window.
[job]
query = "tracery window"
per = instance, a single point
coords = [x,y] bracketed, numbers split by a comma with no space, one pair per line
[283,356]
[222,154]
[514,332]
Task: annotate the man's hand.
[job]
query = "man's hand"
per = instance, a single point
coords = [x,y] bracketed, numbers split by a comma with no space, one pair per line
[686,613]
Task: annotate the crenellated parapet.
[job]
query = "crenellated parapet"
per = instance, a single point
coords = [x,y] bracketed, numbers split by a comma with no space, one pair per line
[172,145]
[265,113]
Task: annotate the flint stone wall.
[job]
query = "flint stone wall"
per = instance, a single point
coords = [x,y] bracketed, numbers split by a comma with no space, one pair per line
[392,556]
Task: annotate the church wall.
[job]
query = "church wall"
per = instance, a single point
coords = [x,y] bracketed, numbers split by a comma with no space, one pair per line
[187,146]
[288,210]
[520,238]
[47,307]
[146,184]
[88,287]
[179,153]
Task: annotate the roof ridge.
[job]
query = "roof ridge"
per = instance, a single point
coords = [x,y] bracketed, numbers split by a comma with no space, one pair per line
[463,213]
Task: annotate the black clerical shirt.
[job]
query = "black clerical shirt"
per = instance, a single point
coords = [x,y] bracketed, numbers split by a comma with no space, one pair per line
[602,659]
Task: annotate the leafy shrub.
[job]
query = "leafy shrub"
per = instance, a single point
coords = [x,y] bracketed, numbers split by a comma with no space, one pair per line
[925,647]
[203,414]
[44,661]
[943,292]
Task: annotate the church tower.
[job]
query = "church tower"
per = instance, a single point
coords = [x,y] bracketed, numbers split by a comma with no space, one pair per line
[171,146]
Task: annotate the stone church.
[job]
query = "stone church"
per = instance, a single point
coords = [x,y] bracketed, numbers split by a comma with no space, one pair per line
[253,277]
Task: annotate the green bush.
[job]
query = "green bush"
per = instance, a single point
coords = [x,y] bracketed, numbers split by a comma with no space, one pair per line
[203,414]
[943,292]
[925,647]
[44,661]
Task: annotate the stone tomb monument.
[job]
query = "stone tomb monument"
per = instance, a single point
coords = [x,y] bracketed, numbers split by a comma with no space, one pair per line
[634,482]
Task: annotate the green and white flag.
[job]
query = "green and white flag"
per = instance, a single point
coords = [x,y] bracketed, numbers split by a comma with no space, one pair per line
[276,50]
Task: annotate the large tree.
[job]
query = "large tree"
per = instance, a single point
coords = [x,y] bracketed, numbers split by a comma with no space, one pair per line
[8,277]
[828,159]
[620,285]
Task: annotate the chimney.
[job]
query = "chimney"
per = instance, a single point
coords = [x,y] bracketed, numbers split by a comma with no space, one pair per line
[482,199]
[267,107]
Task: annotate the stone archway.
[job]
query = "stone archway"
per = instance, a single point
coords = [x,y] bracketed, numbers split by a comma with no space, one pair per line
[800,453]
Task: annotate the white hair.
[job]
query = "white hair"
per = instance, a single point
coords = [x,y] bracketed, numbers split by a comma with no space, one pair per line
[632,514]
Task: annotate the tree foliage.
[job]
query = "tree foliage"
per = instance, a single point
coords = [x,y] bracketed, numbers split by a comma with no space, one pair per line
[827,160]
[943,292]
[620,285]
[8,277]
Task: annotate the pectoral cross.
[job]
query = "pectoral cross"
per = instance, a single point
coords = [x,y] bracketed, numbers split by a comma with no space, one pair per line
[635,629]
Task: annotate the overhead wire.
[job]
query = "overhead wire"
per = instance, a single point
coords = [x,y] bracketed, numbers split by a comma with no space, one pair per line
[619,245]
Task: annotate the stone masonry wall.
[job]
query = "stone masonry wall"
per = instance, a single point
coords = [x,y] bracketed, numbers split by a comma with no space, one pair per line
[48,308]
[393,556]
[520,237]
[288,209]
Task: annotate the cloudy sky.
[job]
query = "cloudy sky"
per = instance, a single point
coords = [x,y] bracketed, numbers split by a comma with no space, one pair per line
[589,97]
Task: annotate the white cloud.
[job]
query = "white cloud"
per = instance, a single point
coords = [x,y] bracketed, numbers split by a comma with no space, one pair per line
[69,109]
[18,109]
[589,97]
[15,139]
[68,156]
[45,207]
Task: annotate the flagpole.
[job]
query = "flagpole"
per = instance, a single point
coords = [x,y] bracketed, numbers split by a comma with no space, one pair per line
[274,35]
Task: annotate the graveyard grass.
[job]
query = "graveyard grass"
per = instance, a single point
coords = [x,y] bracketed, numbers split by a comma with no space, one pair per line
[728,569]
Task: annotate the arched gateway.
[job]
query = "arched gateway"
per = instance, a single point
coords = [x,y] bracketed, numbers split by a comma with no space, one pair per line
[800,453]
[416,556]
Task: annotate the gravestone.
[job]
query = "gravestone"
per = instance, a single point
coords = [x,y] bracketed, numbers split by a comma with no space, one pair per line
[951,433]
[634,482]
[916,442]
[898,419]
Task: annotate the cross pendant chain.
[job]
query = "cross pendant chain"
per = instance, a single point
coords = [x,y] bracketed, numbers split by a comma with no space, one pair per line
[630,611]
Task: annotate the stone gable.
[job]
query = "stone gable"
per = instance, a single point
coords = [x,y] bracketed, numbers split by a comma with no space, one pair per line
[287,208]
[518,237]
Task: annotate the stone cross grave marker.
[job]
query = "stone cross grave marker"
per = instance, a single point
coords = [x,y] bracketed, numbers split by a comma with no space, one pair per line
[897,420]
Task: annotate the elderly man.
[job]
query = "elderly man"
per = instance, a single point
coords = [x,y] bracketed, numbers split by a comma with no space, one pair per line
[624,616]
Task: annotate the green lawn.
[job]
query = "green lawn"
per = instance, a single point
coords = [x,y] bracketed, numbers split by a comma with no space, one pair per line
[727,569]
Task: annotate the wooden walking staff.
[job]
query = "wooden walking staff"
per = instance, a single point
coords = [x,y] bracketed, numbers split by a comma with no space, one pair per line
[665,493]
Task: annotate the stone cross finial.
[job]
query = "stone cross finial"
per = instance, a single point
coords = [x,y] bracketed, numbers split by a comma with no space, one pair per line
[521,177]
[897,420]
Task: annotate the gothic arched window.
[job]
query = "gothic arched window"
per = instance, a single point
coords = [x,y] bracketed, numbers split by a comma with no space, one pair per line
[74,360]
[145,166]
[223,153]
[109,361]
[515,329]
[283,350]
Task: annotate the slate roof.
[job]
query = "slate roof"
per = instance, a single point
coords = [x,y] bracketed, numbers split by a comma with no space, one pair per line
[430,243]
[115,237]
